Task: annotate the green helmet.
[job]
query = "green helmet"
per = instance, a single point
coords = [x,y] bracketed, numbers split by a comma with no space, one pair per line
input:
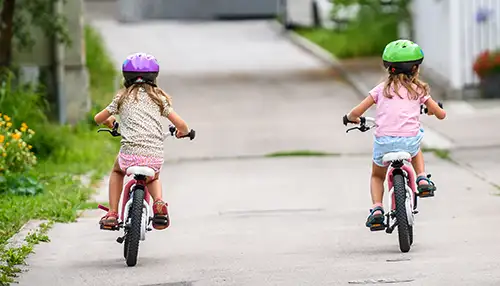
[402,55]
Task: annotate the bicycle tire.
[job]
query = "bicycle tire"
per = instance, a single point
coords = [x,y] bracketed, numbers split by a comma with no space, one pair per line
[404,231]
[134,232]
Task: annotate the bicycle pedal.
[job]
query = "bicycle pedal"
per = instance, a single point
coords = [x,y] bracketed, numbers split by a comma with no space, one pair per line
[426,194]
[112,228]
[160,220]
[377,227]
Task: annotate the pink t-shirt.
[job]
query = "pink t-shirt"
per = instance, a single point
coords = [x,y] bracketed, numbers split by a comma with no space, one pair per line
[396,116]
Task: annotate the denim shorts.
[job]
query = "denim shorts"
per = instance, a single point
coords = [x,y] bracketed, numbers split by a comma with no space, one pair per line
[386,144]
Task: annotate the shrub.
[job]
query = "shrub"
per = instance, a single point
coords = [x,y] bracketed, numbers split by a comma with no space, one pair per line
[487,62]
[16,155]
[16,159]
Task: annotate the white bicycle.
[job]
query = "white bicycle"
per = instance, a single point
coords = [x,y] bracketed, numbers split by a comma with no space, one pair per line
[136,217]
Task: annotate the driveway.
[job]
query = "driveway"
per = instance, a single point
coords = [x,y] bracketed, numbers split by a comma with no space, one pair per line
[239,218]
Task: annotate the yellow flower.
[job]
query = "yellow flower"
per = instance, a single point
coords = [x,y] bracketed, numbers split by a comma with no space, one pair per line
[2,138]
[23,129]
[9,124]
[24,125]
[7,144]
[4,154]
[29,147]
[7,118]
[16,136]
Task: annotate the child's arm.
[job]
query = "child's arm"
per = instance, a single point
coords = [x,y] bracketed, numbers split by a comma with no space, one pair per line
[360,109]
[179,123]
[434,109]
[105,117]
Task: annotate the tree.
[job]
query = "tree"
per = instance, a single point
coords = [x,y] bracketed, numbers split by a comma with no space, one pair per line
[18,17]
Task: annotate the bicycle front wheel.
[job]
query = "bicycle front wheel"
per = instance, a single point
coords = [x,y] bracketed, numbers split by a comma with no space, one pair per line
[405,231]
[134,232]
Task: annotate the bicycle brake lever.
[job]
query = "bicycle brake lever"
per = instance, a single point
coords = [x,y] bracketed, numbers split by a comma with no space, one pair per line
[350,129]
[104,129]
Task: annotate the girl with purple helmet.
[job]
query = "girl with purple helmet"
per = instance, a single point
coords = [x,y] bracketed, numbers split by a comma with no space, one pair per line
[141,104]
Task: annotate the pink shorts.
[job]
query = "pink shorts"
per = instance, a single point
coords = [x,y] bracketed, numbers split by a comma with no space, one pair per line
[126,161]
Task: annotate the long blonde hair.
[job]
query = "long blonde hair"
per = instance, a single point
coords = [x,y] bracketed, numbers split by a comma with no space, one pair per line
[155,93]
[415,87]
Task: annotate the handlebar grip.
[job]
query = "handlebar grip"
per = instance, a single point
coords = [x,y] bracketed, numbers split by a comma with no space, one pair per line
[190,135]
[345,120]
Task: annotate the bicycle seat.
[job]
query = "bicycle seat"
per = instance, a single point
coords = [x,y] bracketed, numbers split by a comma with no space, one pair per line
[141,170]
[396,156]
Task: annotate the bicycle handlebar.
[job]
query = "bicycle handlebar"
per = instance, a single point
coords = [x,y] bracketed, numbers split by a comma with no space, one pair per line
[364,120]
[172,131]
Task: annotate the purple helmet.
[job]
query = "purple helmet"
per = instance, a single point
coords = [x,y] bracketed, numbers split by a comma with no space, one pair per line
[140,66]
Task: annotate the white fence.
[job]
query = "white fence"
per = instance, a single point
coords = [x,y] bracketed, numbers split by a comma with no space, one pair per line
[453,32]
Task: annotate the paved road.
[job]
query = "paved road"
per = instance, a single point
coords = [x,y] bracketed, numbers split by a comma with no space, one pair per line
[273,221]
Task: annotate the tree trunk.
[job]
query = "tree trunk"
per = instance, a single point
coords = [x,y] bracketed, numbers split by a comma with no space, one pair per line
[6,32]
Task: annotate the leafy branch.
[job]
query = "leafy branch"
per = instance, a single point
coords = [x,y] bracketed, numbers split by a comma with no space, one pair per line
[18,18]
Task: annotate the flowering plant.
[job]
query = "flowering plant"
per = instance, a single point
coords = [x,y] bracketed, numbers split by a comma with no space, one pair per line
[15,153]
[487,62]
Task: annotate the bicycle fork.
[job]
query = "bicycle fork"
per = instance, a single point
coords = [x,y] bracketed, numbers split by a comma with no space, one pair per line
[410,202]
[145,219]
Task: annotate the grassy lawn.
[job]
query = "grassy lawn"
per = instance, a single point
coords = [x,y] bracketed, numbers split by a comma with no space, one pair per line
[364,38]
[76,150]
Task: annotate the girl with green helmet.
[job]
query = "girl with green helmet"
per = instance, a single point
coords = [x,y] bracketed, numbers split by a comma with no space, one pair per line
[398,100]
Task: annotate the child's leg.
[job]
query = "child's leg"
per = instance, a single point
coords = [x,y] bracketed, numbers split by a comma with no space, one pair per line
[115,190]
[159,206]
[423,183]
[154,187]
[377,185]
[419,166]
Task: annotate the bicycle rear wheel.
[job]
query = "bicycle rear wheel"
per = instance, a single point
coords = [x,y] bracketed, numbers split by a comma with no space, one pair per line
[405,231]
[131,246]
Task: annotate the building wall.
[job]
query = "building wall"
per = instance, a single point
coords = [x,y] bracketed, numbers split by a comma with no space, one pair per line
[452,36]
[137,10]
[431,28]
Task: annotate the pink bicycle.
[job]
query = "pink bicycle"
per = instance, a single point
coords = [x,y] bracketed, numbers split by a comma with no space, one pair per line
[402,190]
[136,216]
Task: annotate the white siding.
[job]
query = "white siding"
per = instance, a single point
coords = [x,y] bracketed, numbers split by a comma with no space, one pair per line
[431,26]
[476,37]
[451,37]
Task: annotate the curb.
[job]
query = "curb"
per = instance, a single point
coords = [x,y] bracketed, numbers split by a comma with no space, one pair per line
[432,139]
[18,239]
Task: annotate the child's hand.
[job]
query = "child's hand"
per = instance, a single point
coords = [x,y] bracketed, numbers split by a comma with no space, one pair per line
[110,121]
[180,134]
[355,120]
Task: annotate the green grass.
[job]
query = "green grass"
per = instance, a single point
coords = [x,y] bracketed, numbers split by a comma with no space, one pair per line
[76,150]
[440,153]
[13,257]
[299,153]
[362,38]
